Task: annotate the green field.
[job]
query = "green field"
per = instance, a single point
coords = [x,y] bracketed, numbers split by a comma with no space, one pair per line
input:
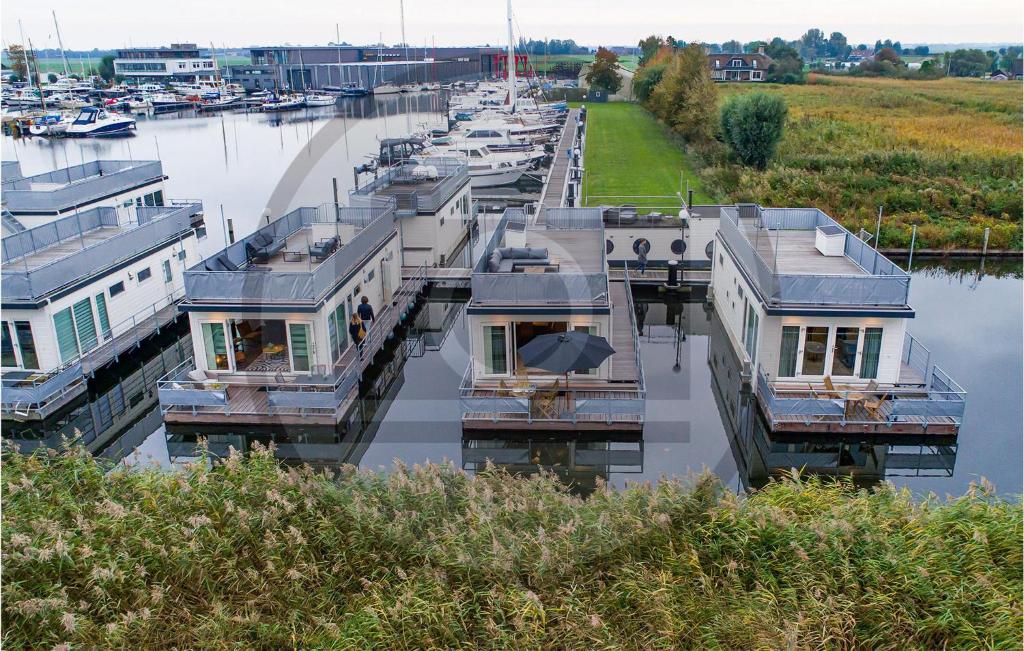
[629,154]
[543,64]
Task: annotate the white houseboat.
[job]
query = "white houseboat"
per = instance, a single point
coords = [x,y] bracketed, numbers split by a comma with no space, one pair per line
[547,277]
[819,320]
[83,289]
[433,205]
[269,317]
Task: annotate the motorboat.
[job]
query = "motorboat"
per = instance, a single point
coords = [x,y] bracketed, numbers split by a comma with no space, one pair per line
[92,122]
[351,89]
[51,124]
[221,103]
[386,89]
[283,104]
[139,104]
[486,169]
[318,99]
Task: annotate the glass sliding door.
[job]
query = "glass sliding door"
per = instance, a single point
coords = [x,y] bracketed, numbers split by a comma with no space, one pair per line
[787,351]
[815,349]
[215,344]
[590,330]
[872,348]
[751,333]
[7,358]
[495,350]
[301,349]
[844,351]
[259,345]
[26,344]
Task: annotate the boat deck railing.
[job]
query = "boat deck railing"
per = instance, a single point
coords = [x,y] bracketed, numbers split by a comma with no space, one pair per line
[78,184]
[416,193]
[881,284]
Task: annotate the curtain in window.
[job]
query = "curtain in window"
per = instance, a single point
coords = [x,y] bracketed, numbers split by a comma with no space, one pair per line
[67,342]
[787,352]
[7,346]
[332,333]
[495,358]
[215,344]
[101,312]
[339,316]
[27,344]
[872,348]
[85,325]
[298,334]
[751,332]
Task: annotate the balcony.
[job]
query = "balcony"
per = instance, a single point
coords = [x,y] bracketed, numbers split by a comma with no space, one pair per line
[412,189]
[573,273]
[291,274]
[78,185]
[924,401]
[40,260]
[775,247]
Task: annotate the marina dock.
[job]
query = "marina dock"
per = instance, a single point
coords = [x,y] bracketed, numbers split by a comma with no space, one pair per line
[553,195]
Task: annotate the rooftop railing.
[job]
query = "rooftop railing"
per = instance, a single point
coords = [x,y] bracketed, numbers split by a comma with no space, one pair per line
[254,283]
[418,193]
[141,229]
[78,185]
[882,282]
[518,288]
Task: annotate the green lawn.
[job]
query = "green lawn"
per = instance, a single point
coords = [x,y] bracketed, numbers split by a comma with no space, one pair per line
[629,154]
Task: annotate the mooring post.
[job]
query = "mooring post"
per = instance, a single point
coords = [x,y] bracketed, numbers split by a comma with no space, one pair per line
[984,245]
[913,239]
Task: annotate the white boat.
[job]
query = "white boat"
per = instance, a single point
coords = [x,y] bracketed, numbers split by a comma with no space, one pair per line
[139,105]
[52,124]
[386,89]
[320,100]
[72,102]
[221,103]
[283,104]
[483,174]
[92,121]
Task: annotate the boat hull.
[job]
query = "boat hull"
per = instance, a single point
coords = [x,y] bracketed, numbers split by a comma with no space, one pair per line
[494,178]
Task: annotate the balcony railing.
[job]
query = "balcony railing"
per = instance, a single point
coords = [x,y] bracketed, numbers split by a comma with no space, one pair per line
[257,284]
[883,283]
[421,194]
[78,184]
[142,229]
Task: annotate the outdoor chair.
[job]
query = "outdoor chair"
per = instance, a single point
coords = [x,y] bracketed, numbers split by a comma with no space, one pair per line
[545,403]
[874,404]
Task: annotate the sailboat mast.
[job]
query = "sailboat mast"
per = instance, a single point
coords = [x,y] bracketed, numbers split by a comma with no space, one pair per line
[405,44]
[60,42]
[511,63]
[24,52]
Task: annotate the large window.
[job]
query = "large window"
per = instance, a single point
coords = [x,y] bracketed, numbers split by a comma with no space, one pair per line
[302,352]
[787,351]
[872,347]
[259,345]
[67,342]
[7,357]
[844,351]
[526,331]
[85,326]
[751,333]
[215,344]
[101,312]
[337,330]
[26,344]
[590,330]
[495,350]
[815,349]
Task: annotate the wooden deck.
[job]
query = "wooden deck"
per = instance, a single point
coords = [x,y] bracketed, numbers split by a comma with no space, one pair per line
[65,247]
[573,251]
[796,252]
[554,185]
[623,365]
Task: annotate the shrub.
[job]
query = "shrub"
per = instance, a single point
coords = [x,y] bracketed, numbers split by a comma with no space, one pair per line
[752,126]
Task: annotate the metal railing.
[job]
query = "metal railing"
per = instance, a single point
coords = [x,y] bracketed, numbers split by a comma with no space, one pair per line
[151,226]
[883,283]
[254,283]
[426,195]
[635,332]
[940,402]
[572,219]
[321,392]
[916,355]
[78,184]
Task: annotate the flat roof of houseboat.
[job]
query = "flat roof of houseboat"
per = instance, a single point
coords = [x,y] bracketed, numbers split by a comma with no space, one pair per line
[575,251]
[401,185]
[797,253]
[66,247]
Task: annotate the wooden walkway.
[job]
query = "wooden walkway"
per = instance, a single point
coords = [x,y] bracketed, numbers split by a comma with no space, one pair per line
[442,276]
[660,276]
[624,360]
[554,186]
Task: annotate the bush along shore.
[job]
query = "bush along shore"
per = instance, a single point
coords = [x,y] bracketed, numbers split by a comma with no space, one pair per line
[246,553]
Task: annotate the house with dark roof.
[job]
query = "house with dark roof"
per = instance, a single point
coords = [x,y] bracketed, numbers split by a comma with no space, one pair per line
[739,67]
[1017,68]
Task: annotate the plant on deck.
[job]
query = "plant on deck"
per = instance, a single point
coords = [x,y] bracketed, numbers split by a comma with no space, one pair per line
[250,554]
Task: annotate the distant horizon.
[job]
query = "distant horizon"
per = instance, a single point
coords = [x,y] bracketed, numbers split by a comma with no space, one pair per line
[229,26]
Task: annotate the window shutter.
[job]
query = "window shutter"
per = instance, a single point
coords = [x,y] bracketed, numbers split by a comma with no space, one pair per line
[85,325]
[101,312]
[67,342]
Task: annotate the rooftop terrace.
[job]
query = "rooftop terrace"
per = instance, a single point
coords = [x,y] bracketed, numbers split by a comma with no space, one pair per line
[66,188]
[776,248]
[415,187]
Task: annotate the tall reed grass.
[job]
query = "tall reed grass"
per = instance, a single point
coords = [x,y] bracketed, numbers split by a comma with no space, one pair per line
[246,553]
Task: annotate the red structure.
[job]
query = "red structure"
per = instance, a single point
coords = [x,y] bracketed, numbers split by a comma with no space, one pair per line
[499,63]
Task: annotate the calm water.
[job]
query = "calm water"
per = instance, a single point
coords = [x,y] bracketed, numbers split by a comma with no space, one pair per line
[968,314]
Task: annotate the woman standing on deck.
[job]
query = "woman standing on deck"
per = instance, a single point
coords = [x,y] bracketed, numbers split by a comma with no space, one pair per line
[356,331]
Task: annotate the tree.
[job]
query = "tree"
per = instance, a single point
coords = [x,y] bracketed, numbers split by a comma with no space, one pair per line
[967,63]
[837,45]
[812,43]
[649,47]
[647,79]
[888,54]
[753,46]
[921,50]
[686,98]
[732,47]
[604,72]
[752,126]
[106,69]
[16,55]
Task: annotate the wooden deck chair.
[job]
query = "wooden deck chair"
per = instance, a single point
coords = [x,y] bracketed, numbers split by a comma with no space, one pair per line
[504,389]
[831,393]
[545,402]
[873,406]
[522,379]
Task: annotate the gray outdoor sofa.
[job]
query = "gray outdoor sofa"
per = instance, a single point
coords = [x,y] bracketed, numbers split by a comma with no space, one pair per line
[506,260]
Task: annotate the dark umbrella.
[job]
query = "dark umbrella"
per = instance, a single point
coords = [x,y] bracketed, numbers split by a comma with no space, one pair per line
[562,352]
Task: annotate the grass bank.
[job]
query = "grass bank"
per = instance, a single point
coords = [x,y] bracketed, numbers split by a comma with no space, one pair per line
[629,153]
[252,555]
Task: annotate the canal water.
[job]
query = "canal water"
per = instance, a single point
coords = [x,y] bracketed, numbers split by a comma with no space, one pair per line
[969,314]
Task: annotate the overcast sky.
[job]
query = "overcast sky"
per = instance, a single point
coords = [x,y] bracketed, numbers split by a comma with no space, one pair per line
[85,25]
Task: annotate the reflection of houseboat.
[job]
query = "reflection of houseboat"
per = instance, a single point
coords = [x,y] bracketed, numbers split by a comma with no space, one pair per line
[270,318]
[549,277]
[578,462]
[83,287]
[432,202]
[762,454]
[819,320]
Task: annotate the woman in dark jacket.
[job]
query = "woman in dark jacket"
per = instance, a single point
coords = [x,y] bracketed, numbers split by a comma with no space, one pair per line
[355,329]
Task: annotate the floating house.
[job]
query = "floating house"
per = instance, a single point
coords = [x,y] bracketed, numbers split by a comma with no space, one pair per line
[269,317]
[432,202]
[819,321]
[539,278]
[81,290]
[41,198]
